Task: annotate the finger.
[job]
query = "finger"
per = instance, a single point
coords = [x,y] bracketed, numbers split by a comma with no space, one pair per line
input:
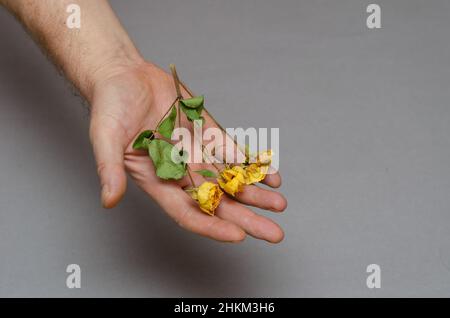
[105,134]
[255,225]
[187,214]
[273,180]
[262,198]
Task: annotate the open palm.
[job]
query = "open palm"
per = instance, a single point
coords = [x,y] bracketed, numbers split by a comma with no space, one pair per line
[133,99]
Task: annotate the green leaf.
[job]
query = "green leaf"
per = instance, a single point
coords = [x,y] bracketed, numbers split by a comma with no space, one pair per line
[168,124]
[193,107]
[194,102]
[192,114]
[161,153]
[206,173]
[143,139]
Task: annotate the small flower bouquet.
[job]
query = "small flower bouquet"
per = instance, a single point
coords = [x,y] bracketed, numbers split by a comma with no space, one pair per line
[170,163]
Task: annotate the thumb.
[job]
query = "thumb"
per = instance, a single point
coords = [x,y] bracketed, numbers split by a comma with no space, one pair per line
[107,136]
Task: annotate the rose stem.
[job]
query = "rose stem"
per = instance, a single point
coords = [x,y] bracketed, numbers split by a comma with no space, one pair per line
[168,110]
[177,87]
[209,159]
[190,176]
[212,117]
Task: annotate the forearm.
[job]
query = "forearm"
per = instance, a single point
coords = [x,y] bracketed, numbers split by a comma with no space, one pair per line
[85,55]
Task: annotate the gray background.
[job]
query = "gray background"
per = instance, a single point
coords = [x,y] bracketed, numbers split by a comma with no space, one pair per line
[365,152]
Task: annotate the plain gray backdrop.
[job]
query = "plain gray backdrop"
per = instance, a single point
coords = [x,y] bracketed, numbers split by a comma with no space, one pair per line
[364,121]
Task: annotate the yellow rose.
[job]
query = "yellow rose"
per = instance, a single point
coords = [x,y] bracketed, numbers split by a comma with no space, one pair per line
[264,157]
[208,196]
[232,180]
[256,172]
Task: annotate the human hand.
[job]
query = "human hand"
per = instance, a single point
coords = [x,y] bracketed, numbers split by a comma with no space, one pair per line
[128,96]
[132,97]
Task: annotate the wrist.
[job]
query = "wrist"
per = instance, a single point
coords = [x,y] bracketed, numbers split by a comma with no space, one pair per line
[108,64]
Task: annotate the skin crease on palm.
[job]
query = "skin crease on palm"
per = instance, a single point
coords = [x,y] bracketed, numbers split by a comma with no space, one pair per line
[135,100]
[128,95]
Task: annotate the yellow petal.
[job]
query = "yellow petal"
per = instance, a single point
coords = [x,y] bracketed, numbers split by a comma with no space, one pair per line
[208,197]
[265,157]
[254,174]
[232,180]
[232,187]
